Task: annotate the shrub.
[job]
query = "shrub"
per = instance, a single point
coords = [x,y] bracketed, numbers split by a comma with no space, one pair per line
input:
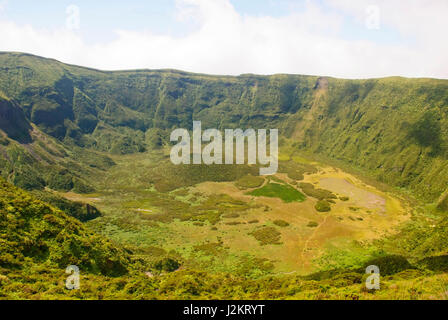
[323,206]
[28,179]
[39,233]
[319,194]
[80,187]
[438,263]
[233,223]
[267,235]
[62,181]
[167,265]
[249,182]
[296,171]
[312,224]
[391,264]
[346,279]
[281,223]
[231,215]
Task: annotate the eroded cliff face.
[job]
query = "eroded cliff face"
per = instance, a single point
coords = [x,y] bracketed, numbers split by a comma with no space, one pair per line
[13,121]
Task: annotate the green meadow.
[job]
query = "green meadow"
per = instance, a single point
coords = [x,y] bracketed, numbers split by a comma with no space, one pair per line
[281,191]
[86,180]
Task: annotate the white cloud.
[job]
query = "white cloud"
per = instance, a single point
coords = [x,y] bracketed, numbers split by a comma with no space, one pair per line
[423,20]
[3,5]
[225,42]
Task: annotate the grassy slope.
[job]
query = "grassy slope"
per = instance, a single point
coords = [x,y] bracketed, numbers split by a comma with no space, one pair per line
[32,232]
[31,159]
[49,241]
[393,128]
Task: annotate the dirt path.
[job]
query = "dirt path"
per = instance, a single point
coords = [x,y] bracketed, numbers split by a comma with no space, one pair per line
[305,262]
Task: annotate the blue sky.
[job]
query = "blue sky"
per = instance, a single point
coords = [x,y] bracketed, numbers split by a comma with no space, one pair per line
[100,18]
[335,32]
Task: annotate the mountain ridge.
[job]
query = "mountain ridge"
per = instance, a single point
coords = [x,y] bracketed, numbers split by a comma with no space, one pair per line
[395,128]
[180,71]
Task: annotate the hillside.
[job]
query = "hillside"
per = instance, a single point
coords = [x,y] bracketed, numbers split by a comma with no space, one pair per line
[395,129]
[38,242]
[362,179]
[32,232]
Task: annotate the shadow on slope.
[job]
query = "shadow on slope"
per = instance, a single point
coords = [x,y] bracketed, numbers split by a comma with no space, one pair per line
[13,122]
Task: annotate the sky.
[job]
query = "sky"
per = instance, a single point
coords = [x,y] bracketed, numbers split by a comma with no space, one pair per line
[340,38]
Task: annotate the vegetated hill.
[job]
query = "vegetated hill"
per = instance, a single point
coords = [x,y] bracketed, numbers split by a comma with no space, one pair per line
[31,159]
[34,233]
[38,242]
[394,128]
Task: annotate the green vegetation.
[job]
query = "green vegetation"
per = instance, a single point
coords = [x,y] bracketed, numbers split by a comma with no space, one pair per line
[390,265]
[167,264]
[296,171]
[164,231]
[427,132]
[4,141]
[312,224]
[13,122]
[275,190]
[267,235]
[442,204]
[249,182]
[168,177]
[281,223]
[32,232]
[81,211]
[319,194]
[323,206]
[393,128]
